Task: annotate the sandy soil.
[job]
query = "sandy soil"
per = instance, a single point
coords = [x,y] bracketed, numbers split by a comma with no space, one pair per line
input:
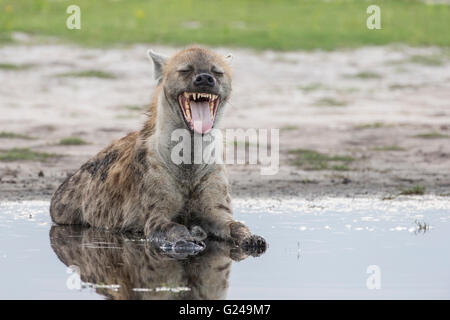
[347,102]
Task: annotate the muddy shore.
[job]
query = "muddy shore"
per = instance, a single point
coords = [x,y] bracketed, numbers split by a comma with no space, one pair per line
[379,117]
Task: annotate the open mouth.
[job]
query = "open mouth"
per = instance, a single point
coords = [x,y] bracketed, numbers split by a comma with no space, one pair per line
[199,110]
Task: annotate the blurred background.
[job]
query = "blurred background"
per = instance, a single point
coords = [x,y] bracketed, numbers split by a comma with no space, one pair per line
[361,112]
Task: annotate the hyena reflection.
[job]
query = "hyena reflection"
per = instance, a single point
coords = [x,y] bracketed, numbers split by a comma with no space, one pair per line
[137,270]
[132,185]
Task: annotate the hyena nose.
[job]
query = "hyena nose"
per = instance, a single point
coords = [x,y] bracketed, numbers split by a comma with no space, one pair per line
[204,80]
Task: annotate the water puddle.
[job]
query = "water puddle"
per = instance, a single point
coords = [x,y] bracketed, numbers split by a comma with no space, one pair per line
[325,249]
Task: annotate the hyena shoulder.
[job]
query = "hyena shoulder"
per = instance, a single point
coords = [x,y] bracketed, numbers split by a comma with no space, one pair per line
[99,191]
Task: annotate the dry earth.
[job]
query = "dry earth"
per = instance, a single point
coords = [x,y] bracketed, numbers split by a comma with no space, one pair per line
[357,103]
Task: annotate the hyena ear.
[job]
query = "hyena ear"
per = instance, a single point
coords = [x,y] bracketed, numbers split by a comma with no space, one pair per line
[159,61]
[229,58]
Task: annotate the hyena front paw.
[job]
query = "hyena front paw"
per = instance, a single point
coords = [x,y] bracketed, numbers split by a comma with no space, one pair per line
[178,240]
[254,245]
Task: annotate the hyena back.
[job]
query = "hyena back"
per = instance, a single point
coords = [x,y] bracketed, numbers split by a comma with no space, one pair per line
[132,185]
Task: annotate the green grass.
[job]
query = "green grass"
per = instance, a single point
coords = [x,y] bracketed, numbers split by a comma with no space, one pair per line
[397,86]
[126,116]
[17,154]
[13,135]
[134,107]
[430,60]
[289,127]
[416,190]
[432,135]
[311,87]
[88,74]
[374,125]
[340,167]
[14,67]
[72,141]
[313,160]
[366,75]
[329,102]
[389,148]
[282,25]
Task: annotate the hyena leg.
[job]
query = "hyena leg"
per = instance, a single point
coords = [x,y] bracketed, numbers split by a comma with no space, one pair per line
[169,235]
[220,223]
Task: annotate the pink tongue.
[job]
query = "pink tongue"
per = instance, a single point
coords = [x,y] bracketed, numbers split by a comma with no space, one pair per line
[201,116]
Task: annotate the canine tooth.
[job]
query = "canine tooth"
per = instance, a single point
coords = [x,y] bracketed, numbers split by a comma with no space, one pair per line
[195,96]
[186,95]
[211,108]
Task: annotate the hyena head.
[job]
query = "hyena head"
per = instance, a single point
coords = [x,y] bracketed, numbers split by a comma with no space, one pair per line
[196,84]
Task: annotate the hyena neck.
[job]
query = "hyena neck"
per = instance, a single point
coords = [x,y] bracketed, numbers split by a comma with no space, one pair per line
[168,121]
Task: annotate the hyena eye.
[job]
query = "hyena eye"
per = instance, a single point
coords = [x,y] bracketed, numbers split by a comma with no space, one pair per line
[185,70]
[217,72]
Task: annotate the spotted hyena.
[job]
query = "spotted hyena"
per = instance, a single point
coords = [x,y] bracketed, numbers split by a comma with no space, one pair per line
[133,185]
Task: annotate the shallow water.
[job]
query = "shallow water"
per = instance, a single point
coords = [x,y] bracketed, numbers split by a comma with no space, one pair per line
[318,249]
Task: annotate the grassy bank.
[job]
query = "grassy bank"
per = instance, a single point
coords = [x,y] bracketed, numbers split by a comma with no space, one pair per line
[283,24]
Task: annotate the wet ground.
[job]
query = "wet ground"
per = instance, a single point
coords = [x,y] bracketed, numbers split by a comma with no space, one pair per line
[318,249]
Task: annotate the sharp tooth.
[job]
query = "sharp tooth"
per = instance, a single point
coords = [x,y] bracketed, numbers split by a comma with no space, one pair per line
[186,95]
[187,110]
[211,109]
[195,96]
